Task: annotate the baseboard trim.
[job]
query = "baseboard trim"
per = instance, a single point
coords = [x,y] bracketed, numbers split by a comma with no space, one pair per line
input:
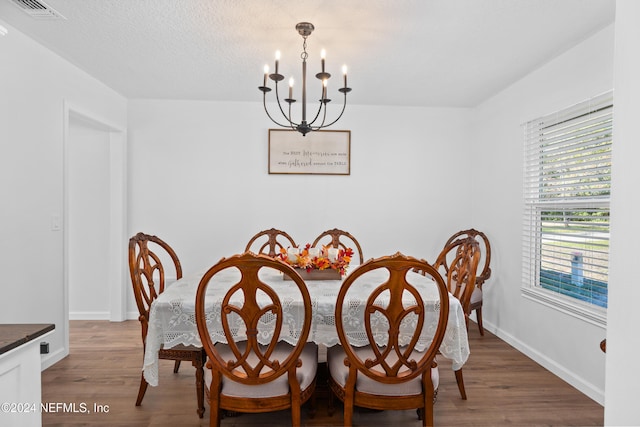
[48,360]
[89,315]
[560,371]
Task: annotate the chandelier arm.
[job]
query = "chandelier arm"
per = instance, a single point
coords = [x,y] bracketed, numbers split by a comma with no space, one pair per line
[344,105]
[324,118]
[318,113]
[264,103]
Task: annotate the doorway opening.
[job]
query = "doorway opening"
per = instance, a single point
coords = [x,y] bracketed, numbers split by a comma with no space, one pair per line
[94,218]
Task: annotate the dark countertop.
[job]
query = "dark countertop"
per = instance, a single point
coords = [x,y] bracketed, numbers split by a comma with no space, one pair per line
[14,335]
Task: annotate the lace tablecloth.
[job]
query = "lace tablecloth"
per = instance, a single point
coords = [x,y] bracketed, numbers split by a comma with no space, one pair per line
[172,314]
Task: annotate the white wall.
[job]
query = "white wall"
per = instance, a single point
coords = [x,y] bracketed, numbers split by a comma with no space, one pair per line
[563,344]
[34,84]
[199,179]
[623,339]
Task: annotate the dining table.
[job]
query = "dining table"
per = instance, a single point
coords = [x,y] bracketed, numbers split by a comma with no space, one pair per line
[172,319]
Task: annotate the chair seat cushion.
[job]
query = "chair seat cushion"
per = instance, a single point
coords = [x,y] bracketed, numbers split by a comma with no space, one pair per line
[339,372]
[476,296]
[279,387]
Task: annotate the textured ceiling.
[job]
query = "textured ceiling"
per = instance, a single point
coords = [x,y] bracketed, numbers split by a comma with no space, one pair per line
[412,52]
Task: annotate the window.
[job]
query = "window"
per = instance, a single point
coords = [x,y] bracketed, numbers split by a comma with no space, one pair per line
[567,183]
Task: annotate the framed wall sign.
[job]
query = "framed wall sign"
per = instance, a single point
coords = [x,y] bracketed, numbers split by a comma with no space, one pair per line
[324,152]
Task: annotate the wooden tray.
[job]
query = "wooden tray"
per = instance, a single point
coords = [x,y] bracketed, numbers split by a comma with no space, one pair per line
[326,274]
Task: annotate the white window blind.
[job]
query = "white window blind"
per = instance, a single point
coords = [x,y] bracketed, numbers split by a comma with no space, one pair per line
[567,183]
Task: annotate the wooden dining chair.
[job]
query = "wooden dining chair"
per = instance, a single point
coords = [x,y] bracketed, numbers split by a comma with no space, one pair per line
[339,239]
[458,262]
[389,375]
[254,371]
[483,273]
[270,242]
[150,260]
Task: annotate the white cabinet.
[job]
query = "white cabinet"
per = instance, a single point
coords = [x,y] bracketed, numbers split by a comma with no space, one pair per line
[20,379]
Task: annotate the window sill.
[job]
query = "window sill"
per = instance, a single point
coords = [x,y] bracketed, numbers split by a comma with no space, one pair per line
[587,312]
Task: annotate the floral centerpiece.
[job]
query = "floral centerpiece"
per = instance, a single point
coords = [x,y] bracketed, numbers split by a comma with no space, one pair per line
[316,259]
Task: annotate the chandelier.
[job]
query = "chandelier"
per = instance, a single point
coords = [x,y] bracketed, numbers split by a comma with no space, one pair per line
[304,29]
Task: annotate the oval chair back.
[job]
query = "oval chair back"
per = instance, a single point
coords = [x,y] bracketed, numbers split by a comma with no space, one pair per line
[339,239]
[253,370]
[391,372]
[270,242]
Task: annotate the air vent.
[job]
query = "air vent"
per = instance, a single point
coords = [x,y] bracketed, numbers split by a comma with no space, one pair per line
[38,9]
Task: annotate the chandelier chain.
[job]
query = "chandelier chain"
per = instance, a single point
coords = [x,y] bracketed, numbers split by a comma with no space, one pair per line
[304,55]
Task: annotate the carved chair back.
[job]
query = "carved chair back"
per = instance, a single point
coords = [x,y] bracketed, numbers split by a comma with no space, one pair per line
[149,273]
[151,262]
[392,363]
[251,314]
[270,242]
[339,239]
[484,265]
[459,262]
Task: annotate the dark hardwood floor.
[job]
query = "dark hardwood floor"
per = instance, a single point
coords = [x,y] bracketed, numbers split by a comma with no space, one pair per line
[102,374]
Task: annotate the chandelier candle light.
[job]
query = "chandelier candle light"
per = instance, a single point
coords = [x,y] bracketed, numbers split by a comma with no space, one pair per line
[304,29]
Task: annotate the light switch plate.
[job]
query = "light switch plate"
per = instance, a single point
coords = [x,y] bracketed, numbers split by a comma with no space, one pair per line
[55,222]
